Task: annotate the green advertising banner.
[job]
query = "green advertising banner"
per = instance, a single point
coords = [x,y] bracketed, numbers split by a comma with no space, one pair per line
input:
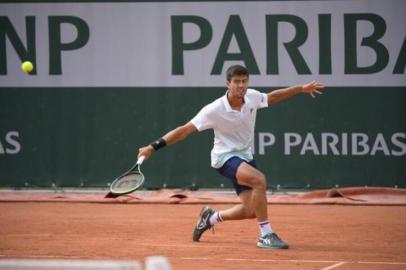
[111,77]
[85,137]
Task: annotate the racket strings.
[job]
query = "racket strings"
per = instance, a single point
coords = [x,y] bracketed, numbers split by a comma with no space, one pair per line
[128,182]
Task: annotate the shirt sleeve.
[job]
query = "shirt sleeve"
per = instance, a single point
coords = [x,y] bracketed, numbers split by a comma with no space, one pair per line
[261,99]
[202,120]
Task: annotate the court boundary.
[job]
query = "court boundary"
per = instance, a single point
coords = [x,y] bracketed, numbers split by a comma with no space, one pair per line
[335,264]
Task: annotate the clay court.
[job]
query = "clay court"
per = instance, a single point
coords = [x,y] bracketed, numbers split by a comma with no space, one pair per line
[321,236]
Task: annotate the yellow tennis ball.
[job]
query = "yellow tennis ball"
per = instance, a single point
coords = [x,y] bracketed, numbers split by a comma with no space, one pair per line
[27,66]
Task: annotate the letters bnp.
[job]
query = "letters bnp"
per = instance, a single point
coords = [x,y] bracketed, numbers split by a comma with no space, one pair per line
[56,45]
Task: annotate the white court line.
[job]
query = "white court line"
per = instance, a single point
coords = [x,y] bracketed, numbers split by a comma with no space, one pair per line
[258,260]
[271,260]
[399,263]
[333,266]
[336,263]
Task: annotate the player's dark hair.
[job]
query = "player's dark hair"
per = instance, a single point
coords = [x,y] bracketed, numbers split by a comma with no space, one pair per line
[236,70]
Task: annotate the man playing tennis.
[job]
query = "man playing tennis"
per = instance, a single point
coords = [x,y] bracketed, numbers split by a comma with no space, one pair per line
[232,117]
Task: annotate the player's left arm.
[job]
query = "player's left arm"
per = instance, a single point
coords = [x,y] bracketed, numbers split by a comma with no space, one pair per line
[310,88]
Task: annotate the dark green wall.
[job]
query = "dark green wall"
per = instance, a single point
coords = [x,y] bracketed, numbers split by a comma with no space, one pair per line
[87,136]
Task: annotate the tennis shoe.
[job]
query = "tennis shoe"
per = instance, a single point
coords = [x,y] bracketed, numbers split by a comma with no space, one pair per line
[271,240]
[203,223]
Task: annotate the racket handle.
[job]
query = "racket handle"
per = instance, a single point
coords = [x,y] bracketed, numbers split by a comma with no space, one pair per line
[140,160]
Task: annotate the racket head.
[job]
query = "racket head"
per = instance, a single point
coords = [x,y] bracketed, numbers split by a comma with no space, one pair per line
[129,181]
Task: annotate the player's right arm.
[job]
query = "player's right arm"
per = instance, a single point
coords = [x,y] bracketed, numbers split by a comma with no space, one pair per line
[176,135]
[180,133]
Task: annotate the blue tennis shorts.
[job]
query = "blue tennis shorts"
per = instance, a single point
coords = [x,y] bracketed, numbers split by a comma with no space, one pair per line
[229,170]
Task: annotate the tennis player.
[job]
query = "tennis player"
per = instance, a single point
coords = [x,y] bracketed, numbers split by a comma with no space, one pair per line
[232,117]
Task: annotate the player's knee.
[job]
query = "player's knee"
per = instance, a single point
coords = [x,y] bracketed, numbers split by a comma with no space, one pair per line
[259,181]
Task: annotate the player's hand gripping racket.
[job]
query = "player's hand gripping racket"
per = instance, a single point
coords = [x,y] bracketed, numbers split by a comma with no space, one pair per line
[128,182]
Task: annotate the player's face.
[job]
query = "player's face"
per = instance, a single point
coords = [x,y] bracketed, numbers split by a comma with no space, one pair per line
[238,85]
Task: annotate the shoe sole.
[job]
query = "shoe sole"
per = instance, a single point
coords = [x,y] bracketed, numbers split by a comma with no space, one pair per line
[272,247]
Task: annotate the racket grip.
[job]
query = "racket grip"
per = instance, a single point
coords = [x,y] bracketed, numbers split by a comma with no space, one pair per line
[140,160]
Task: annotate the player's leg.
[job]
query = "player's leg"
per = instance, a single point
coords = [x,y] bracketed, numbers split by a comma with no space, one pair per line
[245,209]
[250,185]
[208,217]
[240,211]
[247,175]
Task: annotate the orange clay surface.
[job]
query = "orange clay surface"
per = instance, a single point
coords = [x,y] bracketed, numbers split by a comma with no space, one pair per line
[320,236]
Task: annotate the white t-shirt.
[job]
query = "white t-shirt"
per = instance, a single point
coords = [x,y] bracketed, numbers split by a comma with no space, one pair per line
[233,130]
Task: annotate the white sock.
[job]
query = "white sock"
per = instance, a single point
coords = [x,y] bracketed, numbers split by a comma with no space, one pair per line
[215,218]
[265,227]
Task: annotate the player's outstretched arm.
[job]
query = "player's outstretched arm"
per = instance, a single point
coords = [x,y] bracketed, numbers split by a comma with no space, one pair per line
[178,134]
[279,95]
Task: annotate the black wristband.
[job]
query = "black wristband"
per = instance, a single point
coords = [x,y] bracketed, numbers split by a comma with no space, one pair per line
[158,144]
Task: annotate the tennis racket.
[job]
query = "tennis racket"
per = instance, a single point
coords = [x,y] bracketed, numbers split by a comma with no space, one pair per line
[128,182]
